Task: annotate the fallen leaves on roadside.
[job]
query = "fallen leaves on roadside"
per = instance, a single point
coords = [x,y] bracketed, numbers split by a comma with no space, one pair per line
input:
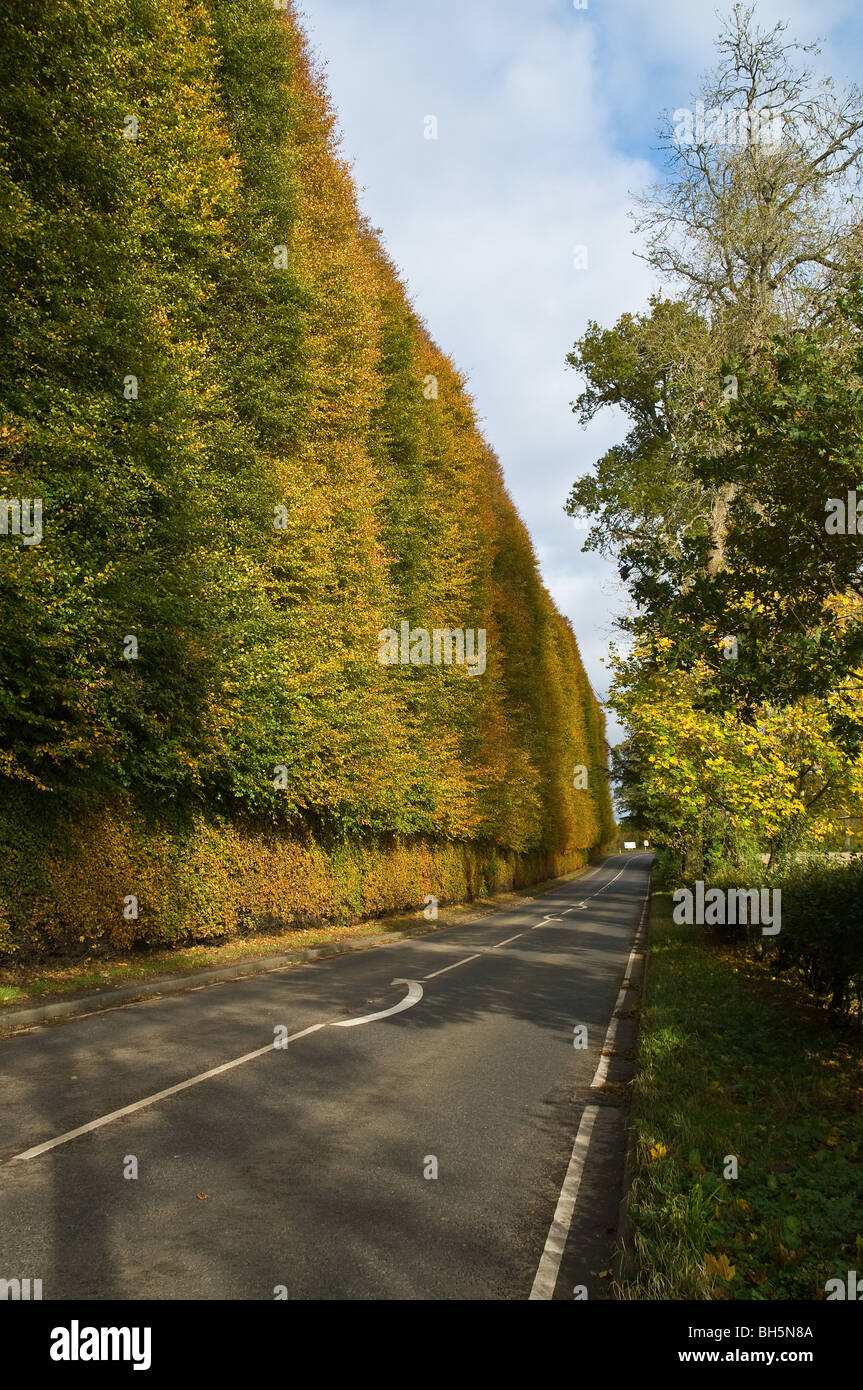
[720,1266]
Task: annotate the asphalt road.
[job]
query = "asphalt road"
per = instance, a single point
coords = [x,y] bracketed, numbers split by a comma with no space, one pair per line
[303,1166]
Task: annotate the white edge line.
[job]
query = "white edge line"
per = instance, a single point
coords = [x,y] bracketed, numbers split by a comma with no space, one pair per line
[601,1072]
[549,1266]
[545,1281]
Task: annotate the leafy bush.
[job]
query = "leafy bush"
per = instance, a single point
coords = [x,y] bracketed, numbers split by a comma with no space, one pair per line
[822,929]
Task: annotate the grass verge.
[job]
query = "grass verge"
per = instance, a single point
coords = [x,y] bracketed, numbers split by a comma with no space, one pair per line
[736,1063]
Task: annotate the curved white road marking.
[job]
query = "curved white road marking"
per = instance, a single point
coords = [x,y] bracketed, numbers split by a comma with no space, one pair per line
[585,902]
[413,996]
[544,923]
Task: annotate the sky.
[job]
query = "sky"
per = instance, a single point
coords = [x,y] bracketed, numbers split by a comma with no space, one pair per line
[546,126]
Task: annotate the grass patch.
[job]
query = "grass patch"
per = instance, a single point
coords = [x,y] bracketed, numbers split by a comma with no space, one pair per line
[102,968]
[736,1062]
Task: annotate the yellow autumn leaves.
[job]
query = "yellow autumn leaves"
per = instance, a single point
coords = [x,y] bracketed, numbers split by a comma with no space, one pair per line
[719,1267]
[759,775]
[715,1266]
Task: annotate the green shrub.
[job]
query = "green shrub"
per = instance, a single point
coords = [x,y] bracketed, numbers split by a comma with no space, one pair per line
[822,929]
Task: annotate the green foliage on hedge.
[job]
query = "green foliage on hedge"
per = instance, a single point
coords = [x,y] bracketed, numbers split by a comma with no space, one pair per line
[275,487]
[822,929]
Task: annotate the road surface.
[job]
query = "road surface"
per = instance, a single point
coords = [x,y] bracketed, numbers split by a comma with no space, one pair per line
[306,1170]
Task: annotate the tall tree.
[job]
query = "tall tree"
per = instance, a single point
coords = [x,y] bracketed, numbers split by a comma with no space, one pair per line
[756,218]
